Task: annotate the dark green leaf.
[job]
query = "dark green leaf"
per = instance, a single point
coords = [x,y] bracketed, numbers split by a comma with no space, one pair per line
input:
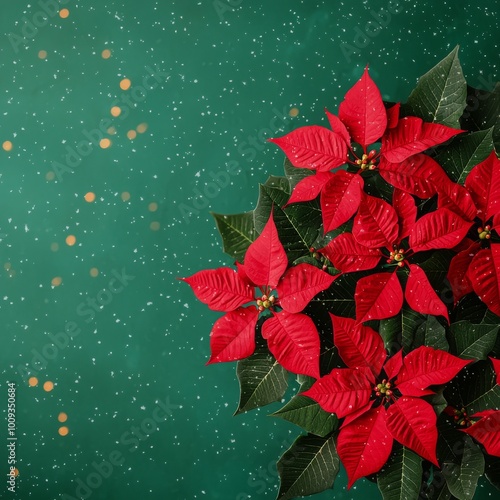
[492,470]
[431,333]
[463,472]
[469,308]
[309,415]
[437,401]
[436,268]
[469,341]
[440,94]
[294,174]
[262,381]
[410,322]
[339,298]
[464,153]
[298,225]
[483,110]
[278,182]
[390,330]
[237,232]
[401,476]
[474,388]
[438,489]
[309,466]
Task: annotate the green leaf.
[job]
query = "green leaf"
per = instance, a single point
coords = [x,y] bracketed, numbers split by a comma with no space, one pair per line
[309,466]
[401,476]
[464,153]
[295,174]
[483,111]
[298,225]
[410,322]
[440,95]
[237,232]
[309,415]
[339,298]
[436,268]
[492,470]
[474,388]
[432,334]
[469,341]
[390,331]
[438,489]
[278,182]
[262,381]
[463,472]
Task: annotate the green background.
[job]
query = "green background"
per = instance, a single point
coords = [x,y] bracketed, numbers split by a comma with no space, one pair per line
[234,72]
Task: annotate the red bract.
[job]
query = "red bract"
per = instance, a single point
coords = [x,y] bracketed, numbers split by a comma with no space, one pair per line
[486,430]
[292,337]
[477,268]
[363,119]
[379,398]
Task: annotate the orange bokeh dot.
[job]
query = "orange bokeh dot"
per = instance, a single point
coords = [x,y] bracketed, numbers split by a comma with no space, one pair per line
[106,54]
[48,386]
[294,112]
[70,240]
[131,134]
[154,226]
[56,281]
[153,207]
[32,381]
[125,196]
[125,84]
[141,128]
[90,197]
[111,130]
[64,13]
[94,272]
[7,146]
[105,143]
[63,431]
[54,247]
[62,417]
[50,176]
[116,111]
[15,473]
[42,54]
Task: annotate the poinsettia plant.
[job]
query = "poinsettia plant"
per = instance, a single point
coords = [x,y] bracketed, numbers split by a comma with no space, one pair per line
[371,272]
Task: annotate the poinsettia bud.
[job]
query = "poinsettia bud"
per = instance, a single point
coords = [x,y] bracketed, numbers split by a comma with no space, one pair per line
[264,297]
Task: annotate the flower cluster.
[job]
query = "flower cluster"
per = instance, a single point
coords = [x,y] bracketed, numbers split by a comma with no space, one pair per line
[372,272]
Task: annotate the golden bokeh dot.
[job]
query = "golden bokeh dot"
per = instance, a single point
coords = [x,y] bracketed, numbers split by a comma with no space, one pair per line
[94,272]
[154,226]
[32,381]
[54,247]
[7,266]
[125,196]
[48,386]
[111,130]
[56,281]
[64,13]
[50,176]
[89,197]
[105,143]
[70,240]
[42,54]
[153,207]
[15,473]
[62,417]
[7,146]
[141,128]
[125,84]
[63,431]
[106,54]
[294,112]
[116,111]
[131,134]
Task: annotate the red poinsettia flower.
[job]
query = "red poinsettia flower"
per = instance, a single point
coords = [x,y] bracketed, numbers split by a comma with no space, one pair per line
[379,398]
[477,267]
[291,336]
[363,119]
[379,225]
